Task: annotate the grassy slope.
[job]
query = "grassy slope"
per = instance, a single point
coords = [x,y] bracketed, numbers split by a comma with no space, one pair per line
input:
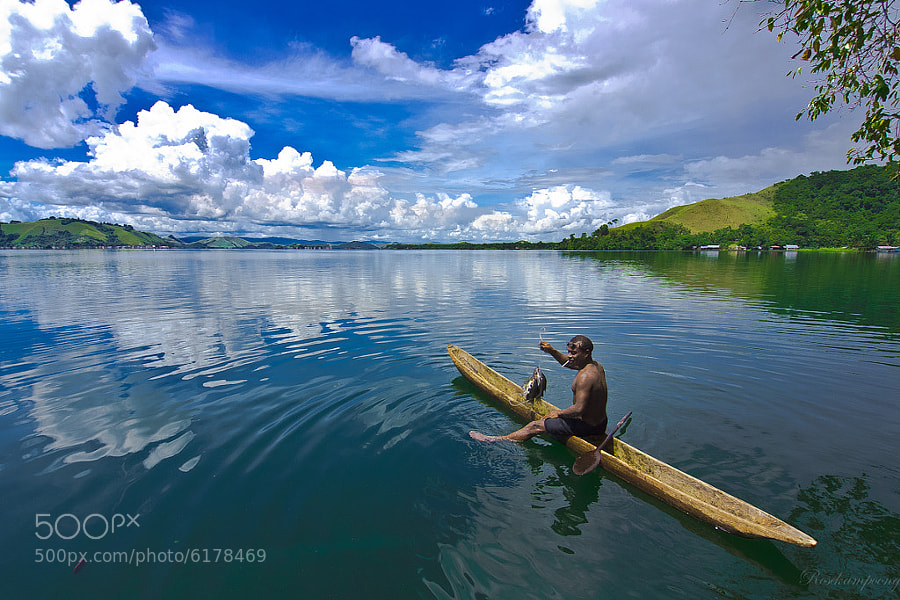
[84,233]
[716,213]
[49,227]
[81,230]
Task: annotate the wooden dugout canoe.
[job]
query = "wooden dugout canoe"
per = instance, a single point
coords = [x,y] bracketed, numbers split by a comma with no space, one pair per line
[676,488]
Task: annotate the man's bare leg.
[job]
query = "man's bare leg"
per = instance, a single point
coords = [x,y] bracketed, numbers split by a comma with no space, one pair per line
[526,433]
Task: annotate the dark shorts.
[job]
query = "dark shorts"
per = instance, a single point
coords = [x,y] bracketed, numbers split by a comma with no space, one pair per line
[562,428]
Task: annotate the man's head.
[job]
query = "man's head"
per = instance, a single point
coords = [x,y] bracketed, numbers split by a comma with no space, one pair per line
[581,341]
[580,348]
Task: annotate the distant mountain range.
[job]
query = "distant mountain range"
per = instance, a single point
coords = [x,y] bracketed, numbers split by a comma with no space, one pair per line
[236,243]
[277,241]
[78,233]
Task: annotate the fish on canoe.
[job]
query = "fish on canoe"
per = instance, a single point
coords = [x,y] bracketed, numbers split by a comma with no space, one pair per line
[663,481]
[535,386]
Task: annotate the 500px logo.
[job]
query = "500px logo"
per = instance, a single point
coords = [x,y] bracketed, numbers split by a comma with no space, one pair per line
[94,526]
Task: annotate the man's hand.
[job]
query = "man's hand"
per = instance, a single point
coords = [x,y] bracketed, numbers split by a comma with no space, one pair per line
[559,356]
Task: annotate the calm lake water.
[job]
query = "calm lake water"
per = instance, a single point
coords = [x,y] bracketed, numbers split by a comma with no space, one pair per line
[288,424]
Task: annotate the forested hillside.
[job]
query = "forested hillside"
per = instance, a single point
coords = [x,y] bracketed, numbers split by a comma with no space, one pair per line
[839,208]
[859,208]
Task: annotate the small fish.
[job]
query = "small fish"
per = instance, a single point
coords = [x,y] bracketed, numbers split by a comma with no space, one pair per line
[535,386]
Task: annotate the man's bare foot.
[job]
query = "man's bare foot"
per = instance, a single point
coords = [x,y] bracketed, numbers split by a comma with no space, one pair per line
[484,438]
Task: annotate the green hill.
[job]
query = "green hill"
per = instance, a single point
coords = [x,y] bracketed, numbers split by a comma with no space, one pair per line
[76,233]
[834,198]
[859,208]
[716,213]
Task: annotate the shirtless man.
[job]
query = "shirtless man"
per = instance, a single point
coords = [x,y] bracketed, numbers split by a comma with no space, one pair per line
[586,416]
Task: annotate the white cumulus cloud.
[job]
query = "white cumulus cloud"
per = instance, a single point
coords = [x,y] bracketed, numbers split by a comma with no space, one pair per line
[186,163]
[678,78]
[552,15]
[188,170]
[565,209]
[63,70]
[595,110]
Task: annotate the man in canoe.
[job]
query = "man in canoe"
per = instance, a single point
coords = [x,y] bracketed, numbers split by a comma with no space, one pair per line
[586,416]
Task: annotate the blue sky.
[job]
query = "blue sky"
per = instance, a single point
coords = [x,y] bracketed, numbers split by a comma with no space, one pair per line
[404,121]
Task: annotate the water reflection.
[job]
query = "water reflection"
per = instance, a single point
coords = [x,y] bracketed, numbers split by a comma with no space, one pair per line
[856,529]
[93,331]
[860,288]
[84,403]
[304,402]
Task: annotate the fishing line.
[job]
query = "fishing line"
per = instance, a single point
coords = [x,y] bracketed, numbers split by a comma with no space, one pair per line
[517,403]
[541,335]
[524,402]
